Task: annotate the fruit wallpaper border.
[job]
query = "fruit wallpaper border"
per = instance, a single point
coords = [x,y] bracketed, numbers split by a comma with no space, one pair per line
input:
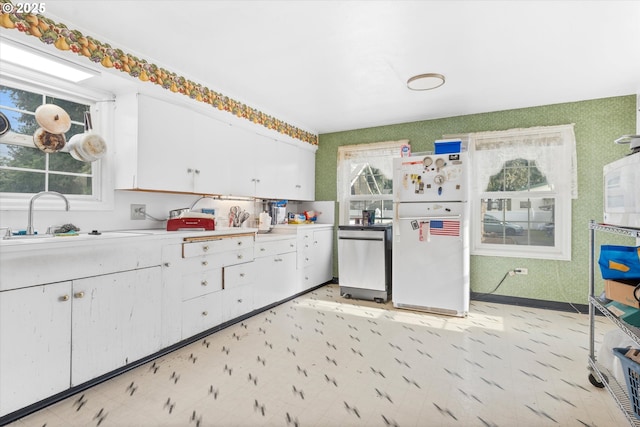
[64,39]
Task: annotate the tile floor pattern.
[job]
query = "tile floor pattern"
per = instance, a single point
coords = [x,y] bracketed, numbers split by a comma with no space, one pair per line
[321,360]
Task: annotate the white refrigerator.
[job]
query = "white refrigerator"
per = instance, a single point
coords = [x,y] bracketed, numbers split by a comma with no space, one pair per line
[430,258]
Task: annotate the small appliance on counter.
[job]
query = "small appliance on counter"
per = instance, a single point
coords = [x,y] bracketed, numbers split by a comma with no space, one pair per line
[191,221]
[278,212]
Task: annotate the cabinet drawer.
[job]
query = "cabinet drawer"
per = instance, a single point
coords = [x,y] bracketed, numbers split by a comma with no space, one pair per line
[235,257]
[200,314]
[200,263]
[262,249]
[192,249]
[237,301]
[238,275]
[201,283]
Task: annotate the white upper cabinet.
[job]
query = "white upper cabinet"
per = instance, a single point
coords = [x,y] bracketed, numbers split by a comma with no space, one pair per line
[170,147]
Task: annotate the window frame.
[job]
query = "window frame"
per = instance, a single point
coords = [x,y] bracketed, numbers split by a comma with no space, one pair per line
[102,111]
[361,151]
[562,191]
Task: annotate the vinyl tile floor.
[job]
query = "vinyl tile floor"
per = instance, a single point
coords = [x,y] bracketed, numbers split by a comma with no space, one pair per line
[322,360]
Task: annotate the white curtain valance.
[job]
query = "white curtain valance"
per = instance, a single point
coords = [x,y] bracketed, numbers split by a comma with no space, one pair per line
[552,147]
[386,148]
[375,153]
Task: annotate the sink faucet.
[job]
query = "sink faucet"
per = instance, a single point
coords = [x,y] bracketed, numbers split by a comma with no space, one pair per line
[33,199]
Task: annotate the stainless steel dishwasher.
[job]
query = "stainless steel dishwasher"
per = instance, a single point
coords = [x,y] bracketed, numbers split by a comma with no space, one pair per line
[364,261]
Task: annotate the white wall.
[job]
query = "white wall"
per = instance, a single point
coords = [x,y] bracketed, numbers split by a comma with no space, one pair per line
[158,205]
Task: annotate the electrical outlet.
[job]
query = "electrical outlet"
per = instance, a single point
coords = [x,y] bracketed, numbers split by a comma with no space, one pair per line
[138,211]
[522,270]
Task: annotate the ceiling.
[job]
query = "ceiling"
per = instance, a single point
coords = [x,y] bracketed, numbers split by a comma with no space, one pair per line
[328,66]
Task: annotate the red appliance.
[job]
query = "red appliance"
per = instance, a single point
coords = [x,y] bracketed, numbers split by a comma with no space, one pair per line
[175,224]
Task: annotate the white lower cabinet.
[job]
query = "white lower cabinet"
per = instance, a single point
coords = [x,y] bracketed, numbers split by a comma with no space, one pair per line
[59,335]
[315,257]
[275,262]
[195,297]
[115,321]
[35,344]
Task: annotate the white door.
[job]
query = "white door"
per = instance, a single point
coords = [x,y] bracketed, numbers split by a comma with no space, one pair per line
[35,344]
[430,258]
[431,178]
[116,321]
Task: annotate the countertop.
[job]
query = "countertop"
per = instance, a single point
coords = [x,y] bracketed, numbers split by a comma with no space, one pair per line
[112,236]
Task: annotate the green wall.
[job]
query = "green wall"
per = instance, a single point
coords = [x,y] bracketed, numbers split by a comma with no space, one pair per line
[597,124]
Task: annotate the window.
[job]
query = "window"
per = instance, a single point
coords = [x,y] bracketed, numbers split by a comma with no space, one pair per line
[522,186]
[24,169]
[365,180]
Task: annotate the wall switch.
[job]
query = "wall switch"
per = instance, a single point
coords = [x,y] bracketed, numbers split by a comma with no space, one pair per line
[522,270]
[138,211]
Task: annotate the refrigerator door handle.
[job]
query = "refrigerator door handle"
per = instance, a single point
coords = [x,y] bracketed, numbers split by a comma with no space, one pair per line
[429,218]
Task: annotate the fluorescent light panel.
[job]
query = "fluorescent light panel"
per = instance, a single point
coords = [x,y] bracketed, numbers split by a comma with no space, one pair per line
[28,57]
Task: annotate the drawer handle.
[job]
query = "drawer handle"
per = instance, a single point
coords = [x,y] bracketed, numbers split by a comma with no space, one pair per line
[64,298]
[239,300]
[205,262]
[167,264]
[205,313]
[239,256]
[204,283]
[262,249]
[79,295]
[240,243]
[205,248]
[291,245]
[306,259]
[241,274]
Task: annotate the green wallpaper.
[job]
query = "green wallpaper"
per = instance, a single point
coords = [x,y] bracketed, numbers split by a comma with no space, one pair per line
[597,124]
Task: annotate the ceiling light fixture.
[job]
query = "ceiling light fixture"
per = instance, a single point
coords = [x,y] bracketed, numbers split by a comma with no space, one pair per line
[37,60]
[426,81]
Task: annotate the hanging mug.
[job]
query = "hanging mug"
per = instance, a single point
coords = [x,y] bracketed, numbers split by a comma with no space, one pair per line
[87,146]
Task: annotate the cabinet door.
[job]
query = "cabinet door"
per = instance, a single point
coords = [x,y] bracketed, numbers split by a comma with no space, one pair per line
[201,313]
[171,294]
[211,154]
[237,301]
[268,167]
[116,321]
[305,184]
[323,255]
[276,279]
[237,150]
[165,146]
[35,344]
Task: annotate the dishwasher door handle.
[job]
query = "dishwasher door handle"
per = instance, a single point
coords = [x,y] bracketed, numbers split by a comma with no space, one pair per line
[376,239]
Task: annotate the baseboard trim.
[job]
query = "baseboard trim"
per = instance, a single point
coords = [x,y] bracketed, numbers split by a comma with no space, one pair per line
[529,302]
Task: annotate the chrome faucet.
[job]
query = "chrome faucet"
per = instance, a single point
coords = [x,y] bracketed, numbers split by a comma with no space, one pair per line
[33,199]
